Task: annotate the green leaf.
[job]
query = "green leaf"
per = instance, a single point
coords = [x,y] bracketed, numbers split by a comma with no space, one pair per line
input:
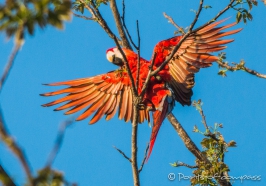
[255,2]
[245,20]
[174,164]
[249,4]
[207,142]
[207,6]
[249,16]
[195,129]
[238,17]
[222,73]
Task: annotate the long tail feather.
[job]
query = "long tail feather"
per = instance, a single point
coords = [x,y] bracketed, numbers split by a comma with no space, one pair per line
[158,117]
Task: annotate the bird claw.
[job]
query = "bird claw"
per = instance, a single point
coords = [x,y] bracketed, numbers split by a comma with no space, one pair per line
[141,106]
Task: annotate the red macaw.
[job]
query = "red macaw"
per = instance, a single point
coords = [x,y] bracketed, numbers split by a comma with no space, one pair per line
[105,94]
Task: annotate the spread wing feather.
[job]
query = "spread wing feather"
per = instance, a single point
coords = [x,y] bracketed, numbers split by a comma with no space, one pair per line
[193,54]
[102,95]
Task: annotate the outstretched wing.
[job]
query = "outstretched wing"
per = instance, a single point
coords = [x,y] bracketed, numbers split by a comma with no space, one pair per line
[102,95]
[193,54]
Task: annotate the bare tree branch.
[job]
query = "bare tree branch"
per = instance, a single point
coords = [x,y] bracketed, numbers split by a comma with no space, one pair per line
[145,86]
[138,51]
[209,133]
[198,105]
[9,64]
[88,8]
[124,25]
[119,25]
[13,146]
[98,17]
[144,159]
[204,119]
[121,152]
[83,17]
[59,141]
[240,67]
[134,147]
[186,139]
[170,19]
[133,87]
[196,17]
[216,17]
[178,164]
[6,179]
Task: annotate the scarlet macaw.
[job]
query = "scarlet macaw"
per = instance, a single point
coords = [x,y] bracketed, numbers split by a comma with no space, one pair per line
[105,94]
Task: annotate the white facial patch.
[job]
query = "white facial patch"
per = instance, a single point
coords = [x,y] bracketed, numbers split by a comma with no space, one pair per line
[109,56]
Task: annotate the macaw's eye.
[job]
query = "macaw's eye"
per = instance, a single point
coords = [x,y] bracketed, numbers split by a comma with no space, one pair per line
[117,61]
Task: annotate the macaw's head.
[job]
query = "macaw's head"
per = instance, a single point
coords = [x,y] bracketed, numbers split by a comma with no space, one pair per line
[114,56]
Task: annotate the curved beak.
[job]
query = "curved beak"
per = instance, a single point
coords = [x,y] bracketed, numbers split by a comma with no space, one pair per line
[111,58]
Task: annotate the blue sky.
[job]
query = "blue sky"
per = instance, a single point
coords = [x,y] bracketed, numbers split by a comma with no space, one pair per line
[87,156]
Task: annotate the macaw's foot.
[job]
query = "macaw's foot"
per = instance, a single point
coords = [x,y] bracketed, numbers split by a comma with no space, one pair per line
[141,106]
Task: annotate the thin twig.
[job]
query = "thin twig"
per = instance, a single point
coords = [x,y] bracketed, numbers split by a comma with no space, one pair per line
[196,17]
[6,179]
[59,141]
[145,86]
[145,157]
[209,133]
[138,51]
[216,17]
[124,25]
[236,67]
[204,119]
[121,152]
[97,17]
[119,25]
[9,63]
[186,165]
[13,146]
[133,87]
[170,19]
[88,8]
[83,17]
